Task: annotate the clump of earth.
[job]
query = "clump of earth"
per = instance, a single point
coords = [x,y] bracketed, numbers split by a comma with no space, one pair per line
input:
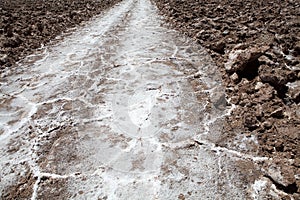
[256,45]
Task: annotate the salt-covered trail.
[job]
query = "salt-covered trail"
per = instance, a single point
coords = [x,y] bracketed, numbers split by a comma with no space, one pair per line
[123,108]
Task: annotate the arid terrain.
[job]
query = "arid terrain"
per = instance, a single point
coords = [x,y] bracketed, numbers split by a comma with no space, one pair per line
[25,25]
[256,45]
[88,89]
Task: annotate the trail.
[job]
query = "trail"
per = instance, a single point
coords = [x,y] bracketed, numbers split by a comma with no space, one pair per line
[123,108]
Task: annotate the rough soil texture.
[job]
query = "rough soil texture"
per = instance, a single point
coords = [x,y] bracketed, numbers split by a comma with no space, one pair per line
[122,108]
[256,45]
[27,24]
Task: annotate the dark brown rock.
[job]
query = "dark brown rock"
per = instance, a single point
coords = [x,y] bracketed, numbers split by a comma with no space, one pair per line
[239,59]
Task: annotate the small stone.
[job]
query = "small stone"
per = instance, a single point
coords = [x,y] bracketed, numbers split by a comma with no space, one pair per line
[267,124]
[259,85]
[265,60]
[226,32]
[238,59]
[80,192]
[181,197]
[234,77]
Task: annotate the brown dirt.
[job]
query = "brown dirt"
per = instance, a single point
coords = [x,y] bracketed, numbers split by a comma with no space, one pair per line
[27,24]
[256,45]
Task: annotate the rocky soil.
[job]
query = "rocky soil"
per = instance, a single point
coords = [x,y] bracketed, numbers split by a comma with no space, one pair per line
[27,24]
[256,45]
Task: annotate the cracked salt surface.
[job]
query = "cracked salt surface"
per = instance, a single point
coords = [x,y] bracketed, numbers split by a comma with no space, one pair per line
[114,111]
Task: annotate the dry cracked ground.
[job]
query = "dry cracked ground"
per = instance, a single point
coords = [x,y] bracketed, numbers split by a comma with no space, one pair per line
[125,108]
